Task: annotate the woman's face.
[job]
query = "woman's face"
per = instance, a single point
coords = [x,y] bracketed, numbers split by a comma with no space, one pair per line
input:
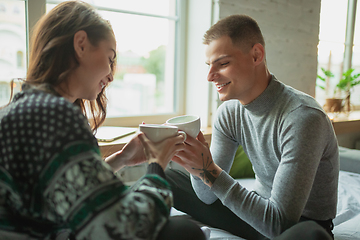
[94,70]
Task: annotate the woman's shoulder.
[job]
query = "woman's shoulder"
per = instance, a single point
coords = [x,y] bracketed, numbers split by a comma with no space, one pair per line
[36,107]
[38,102]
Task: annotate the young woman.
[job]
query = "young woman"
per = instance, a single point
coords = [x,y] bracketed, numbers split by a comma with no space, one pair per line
[53,182]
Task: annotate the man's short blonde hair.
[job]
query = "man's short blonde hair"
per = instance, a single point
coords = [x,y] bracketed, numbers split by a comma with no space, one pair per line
[243,30]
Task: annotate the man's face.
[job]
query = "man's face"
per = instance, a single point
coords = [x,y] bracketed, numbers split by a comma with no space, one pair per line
[231,70]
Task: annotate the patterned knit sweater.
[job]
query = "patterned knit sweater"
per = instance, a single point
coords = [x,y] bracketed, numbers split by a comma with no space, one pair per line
[53,180]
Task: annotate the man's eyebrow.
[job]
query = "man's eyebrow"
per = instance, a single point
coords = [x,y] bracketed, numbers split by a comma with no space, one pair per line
[218,59]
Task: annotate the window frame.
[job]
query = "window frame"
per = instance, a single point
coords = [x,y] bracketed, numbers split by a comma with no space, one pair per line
[35,9]
[349,38]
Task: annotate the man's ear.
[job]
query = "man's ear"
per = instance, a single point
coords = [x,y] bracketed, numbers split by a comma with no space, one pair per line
[80,43]
[258,53]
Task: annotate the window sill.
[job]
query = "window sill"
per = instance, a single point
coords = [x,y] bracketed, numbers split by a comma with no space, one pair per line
[343,123]
[109,148]
[346,122]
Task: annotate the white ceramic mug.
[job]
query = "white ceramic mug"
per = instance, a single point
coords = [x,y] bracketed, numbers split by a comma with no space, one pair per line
[187,123]
[158,133]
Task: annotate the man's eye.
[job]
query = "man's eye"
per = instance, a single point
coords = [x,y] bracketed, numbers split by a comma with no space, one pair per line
[224,64]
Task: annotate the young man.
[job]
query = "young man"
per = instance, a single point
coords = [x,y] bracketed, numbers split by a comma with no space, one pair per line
[287,136]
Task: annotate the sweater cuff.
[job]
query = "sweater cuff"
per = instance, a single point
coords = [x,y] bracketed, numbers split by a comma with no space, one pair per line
[155,168]
[223,185]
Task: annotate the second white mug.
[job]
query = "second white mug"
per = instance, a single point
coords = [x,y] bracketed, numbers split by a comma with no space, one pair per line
[187,123]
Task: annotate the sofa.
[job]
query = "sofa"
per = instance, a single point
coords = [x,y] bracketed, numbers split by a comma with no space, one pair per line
[347,221]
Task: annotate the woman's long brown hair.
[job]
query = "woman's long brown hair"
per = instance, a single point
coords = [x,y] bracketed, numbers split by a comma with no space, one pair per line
[52,55]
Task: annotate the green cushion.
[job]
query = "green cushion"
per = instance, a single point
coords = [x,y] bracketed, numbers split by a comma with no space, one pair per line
[242,167]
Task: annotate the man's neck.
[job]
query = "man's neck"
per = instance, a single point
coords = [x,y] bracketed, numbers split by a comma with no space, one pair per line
[262,79]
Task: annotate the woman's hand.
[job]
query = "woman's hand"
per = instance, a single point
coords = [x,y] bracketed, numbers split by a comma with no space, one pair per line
[163,151]
[140,149]
[132,154]
[197,160]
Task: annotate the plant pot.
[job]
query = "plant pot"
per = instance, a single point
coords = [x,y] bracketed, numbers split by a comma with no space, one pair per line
[347,104]
[333,105]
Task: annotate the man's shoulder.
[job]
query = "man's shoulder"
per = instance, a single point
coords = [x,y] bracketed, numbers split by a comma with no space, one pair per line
[230,105]
[229,110]
[302,109]
[298,100]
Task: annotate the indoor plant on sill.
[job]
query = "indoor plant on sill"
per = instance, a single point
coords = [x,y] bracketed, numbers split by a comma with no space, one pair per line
[332,104]
[345,85]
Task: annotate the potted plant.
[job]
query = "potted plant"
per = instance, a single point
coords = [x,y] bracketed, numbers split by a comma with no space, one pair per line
[345,85]
[333,104]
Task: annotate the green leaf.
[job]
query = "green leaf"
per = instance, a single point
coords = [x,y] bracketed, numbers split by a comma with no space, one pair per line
[321,78]
[348,72]
[327,73]
[355,83]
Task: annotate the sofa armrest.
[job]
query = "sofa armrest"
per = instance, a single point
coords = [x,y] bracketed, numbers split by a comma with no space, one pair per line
[349,159]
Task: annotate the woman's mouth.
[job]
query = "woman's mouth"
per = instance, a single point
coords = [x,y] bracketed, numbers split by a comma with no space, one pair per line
[102,84]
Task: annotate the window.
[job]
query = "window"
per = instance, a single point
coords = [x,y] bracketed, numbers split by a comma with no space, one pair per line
[20,59]
[356,56]
[331,48]
[145,77]
[147,80]
[12,47]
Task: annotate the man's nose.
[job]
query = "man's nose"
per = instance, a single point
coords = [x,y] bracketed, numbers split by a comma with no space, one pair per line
[212,75]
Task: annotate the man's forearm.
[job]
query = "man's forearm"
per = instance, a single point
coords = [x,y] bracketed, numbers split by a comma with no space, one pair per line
[209,172]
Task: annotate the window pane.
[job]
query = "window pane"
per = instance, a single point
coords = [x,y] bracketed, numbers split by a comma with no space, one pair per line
[357,25]
[155,7]
[355,95]
[333,20]
[331,44]
[12,47]
[144,78]
[330,57]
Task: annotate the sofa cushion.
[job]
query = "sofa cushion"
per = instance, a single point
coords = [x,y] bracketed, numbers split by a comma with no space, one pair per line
[349,159]
[242,167]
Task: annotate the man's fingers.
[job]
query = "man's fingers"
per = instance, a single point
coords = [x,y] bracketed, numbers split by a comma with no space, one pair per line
[201,138]
[191,141]
[196,142]
[180,139]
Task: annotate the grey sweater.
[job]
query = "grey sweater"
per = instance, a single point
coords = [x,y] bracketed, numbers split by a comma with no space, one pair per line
[292,146]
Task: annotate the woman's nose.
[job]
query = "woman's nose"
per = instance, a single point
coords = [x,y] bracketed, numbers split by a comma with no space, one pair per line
[110,77]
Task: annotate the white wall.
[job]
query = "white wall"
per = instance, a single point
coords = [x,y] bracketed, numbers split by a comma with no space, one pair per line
[291,32]
[197,89]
